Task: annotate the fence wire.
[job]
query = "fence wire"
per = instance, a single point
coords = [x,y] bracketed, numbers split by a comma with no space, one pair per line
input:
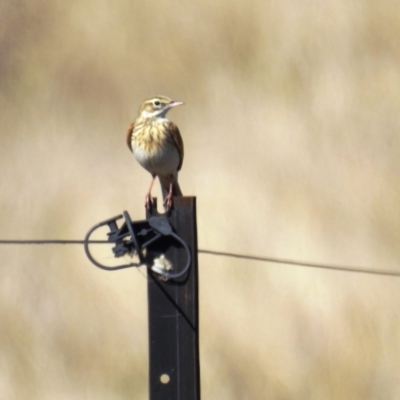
[296,263]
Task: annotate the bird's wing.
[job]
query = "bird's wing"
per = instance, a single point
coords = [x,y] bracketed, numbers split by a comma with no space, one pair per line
[176,136]
[129,136]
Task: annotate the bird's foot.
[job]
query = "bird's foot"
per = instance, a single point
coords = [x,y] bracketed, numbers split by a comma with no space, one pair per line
[168,201]
[148,201]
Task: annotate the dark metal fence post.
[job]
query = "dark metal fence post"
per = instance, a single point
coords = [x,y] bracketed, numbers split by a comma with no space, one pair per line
[174,371]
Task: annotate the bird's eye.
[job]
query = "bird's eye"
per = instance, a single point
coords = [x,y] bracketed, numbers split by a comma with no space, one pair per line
[157,103]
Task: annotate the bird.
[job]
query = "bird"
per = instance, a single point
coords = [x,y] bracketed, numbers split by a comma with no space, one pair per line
[157,145]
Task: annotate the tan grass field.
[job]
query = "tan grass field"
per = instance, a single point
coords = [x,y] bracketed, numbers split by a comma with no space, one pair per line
[291,130]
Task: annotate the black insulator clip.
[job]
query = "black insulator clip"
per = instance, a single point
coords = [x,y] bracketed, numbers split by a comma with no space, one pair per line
[132,238]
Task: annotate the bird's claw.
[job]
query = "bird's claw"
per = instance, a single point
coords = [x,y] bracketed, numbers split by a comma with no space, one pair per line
[148,202]
[168,202]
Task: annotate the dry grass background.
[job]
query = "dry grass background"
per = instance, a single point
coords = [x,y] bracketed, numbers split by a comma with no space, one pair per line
[291,130]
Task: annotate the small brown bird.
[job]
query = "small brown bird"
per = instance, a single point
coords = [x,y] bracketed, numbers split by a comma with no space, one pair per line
[157,145]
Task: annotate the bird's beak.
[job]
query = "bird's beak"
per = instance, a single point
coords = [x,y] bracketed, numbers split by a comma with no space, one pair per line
[175,104]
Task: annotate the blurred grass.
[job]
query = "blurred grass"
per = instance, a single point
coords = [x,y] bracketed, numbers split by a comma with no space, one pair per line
[291,146]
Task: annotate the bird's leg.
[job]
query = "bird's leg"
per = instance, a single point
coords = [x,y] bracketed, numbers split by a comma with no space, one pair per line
[168,198]
[148,200]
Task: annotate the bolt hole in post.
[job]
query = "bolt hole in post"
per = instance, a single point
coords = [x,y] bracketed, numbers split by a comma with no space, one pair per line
[164,378]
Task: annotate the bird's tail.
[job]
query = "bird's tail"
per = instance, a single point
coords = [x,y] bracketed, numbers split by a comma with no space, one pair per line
[165,181]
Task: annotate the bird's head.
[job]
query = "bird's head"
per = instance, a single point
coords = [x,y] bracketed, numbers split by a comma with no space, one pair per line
[157,106]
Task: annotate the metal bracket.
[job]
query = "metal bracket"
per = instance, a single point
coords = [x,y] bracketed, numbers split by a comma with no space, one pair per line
[133,238]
